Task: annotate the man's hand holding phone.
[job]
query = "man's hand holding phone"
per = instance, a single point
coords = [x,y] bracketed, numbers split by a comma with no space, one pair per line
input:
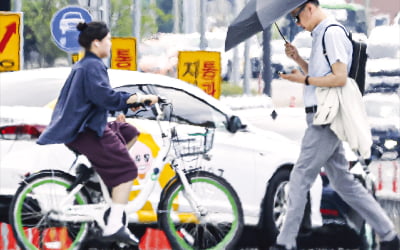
[295,76]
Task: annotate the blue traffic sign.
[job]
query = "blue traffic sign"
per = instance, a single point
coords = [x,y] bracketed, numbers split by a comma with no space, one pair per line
[63,27]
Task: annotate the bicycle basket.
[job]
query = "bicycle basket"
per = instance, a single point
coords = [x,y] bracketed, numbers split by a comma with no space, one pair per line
[194,143]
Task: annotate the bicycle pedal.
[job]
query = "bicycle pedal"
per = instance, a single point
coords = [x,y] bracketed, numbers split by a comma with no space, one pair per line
[94,241]
[97,231]
[83,174]
[94,233]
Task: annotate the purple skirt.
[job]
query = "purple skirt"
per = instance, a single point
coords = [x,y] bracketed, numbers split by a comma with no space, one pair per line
[108,154]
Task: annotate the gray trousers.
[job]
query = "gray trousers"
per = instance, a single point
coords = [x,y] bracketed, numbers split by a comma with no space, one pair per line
[321,147]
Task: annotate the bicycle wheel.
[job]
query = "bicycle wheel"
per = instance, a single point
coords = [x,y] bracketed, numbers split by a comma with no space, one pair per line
[36,215]
[218,228]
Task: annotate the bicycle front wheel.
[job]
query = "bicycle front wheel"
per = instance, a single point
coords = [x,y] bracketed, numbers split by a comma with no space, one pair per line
[36,213]
[216,224]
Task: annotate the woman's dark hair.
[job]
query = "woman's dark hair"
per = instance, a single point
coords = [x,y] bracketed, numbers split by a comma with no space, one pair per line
[315,2]
[91,31]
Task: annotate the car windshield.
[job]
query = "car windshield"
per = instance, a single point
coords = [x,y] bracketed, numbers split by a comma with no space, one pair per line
[188,109]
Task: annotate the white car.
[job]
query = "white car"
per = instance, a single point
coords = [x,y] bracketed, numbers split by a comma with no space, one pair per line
[255,162]
[384,51]
[383,110]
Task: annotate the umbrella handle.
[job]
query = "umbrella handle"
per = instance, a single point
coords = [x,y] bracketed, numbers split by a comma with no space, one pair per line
[280,33]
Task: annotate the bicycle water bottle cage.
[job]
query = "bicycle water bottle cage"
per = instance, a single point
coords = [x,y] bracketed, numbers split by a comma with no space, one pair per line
[83,174]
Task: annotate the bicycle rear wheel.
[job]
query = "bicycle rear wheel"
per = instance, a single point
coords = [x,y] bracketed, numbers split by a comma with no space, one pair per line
[35,212]
[221,225]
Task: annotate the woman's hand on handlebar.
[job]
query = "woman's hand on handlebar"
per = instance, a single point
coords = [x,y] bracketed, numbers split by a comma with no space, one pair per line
[149,100]
[136,101]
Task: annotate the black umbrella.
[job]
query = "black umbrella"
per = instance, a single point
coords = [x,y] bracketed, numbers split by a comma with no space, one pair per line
[256,16]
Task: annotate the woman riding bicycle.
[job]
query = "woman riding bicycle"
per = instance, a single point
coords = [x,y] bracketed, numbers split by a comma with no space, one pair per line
[79,120]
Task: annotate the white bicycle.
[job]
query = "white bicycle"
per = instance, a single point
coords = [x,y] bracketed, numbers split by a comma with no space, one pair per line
[53,209]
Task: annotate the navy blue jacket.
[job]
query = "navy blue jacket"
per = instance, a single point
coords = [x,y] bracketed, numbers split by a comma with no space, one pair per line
[84,102]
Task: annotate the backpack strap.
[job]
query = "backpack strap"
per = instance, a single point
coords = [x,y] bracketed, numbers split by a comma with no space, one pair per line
[323,40]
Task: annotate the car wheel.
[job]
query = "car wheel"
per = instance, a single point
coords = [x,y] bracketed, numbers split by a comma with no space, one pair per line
[274,205]
[367,236]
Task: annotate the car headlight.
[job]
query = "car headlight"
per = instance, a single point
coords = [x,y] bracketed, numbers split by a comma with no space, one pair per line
[390,144]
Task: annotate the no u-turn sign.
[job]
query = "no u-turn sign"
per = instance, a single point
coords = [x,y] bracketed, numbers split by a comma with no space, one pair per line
[10,41]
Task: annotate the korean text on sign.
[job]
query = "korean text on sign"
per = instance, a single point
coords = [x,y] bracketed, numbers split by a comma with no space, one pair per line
[201,68]
[123,53]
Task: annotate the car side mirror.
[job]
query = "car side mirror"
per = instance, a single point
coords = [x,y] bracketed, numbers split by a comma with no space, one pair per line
[234,124]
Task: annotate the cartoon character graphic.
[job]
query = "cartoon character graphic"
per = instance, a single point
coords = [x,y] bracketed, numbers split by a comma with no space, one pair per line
[143,158]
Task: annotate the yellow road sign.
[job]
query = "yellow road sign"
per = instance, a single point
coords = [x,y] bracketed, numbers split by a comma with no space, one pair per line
[10,41]
[123,53]
[75,57]
[201,68]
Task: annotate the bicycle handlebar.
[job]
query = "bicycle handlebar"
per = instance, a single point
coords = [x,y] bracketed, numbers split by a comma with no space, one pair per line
[158,108]
[157,111]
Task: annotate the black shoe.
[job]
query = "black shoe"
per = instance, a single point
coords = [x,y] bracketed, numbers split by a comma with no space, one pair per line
[280,247]
[390,245]
[122,235]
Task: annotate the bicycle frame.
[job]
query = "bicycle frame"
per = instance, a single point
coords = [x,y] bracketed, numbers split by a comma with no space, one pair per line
[94,212]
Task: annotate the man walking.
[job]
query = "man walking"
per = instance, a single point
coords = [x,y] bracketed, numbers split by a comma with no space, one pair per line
[320,145]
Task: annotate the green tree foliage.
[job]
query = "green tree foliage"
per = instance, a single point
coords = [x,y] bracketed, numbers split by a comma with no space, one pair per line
[122,22]
[37,16]
[121,18]
[165,20]
[149,20]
